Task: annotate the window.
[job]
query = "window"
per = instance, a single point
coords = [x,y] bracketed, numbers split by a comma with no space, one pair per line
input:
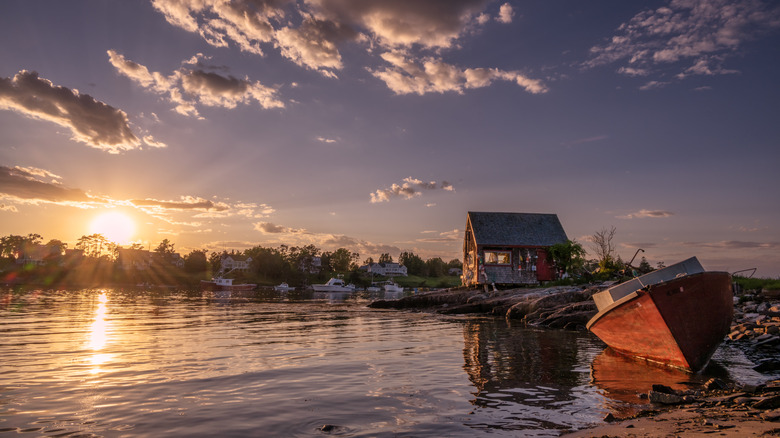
[498,258]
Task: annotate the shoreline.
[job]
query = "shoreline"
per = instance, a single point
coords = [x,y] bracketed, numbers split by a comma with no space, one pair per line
[717,408]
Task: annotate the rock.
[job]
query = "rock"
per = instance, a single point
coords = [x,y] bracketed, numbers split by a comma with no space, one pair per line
[773,415]
[715,384]
[664,398]
[767,365]
[771,402]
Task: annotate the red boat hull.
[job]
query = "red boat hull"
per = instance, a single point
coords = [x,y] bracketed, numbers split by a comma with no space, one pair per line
[680,322]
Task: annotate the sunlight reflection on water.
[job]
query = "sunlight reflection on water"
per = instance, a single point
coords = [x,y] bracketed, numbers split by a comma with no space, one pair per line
[143,363]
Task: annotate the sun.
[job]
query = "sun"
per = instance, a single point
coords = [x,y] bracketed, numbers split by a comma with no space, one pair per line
[114,226]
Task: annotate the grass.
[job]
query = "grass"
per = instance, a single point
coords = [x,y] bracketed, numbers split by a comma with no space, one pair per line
[757,283]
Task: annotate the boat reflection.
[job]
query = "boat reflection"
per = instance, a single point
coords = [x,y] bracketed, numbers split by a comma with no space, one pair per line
[623,380]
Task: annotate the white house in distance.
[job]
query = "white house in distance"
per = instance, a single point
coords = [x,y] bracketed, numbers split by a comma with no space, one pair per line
[387,269]
[236,262]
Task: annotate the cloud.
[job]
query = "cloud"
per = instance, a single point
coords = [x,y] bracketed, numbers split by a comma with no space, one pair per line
[587,140]
[91,122]
[25,185]
[326,140]
[187,87]
[444,237]
[186,203]
[734,244]
[505,13]
[647,213]
[410,188]
[310,33]
[692,37]
[405,76]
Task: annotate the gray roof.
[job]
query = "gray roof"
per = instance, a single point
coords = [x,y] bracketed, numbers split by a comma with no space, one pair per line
[516,229]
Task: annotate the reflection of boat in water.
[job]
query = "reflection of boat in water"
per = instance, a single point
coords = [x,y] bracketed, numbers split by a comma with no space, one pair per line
[373,288]
[284,287]
[334,285]
[392,286]
[622,379]
[677,315]
[225,284]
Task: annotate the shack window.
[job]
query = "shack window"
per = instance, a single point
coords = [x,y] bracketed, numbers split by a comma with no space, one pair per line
[498,258]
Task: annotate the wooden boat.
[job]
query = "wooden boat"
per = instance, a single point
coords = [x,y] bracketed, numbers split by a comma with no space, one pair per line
[677,315]
[225,284]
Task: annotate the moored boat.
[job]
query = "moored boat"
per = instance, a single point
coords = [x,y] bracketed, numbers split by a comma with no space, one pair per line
[392,286]
[677,315]
[283,287]
[334,285]
[221,283]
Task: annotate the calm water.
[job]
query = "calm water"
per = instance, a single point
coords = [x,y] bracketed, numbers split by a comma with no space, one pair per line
[149,363]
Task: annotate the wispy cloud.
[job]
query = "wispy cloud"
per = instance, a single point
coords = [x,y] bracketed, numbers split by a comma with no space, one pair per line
[734,244]
[192,85]
[185,203]
[686,38]
[647,213]
[410,188]
[431,75]
[593,139]
[323,26]
[443,237]
[91,121]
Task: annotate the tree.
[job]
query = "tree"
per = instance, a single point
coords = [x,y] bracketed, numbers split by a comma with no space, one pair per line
[342,260]
[369,261]
[435,267]
[454,264]
[13,245]
[414,264]
[604,248]
[568,256]
[644,266]
[196,262]
[97,246]
[165,250]
[385,258]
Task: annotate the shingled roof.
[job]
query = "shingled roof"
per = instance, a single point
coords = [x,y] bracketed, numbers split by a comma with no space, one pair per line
[516,229]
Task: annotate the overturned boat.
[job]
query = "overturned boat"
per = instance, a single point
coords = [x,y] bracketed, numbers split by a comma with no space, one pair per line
[677,315]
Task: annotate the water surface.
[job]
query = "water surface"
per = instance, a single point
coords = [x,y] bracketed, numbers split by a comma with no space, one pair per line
[111,362]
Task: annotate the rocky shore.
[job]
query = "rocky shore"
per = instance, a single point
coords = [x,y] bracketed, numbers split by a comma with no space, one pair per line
[717,408]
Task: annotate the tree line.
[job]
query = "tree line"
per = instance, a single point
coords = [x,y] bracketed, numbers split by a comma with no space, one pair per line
[103,258]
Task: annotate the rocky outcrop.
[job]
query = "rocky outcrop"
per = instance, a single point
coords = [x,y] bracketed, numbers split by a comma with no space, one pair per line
[565,307]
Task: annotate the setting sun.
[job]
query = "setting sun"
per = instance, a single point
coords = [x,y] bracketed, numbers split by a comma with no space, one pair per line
[114,226]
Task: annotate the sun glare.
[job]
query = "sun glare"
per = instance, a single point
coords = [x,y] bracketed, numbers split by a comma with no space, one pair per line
[114,226]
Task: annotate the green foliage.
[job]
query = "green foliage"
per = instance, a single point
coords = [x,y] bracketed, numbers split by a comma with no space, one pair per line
[435,267]
[568,256]
[196,262]
[757,283]
[414,264]
[386,258]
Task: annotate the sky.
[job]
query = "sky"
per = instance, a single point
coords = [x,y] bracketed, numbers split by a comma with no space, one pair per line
[377,125]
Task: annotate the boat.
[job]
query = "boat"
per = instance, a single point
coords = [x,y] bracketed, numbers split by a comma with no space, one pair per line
[334,285]
[677,316]
[223,284]
[373,288]
[284,287]
[392,286]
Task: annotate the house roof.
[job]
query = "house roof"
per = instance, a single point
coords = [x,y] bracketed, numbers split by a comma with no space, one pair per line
[516,229]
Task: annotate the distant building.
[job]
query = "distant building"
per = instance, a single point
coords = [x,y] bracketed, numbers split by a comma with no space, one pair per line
[32,253]
[134,259]
[509,248]
[387,269]
[231,262]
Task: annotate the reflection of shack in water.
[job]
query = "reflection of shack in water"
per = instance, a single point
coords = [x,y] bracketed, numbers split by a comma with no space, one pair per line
[529,366]
[624,379]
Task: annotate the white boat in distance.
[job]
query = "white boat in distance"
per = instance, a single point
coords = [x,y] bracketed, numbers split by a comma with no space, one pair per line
[284,287]
[334,285]
[392,286]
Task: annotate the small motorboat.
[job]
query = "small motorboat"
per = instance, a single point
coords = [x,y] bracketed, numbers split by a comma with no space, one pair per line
[226,284]
[677,315]
[284,287]
[334,285]
[392,286]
